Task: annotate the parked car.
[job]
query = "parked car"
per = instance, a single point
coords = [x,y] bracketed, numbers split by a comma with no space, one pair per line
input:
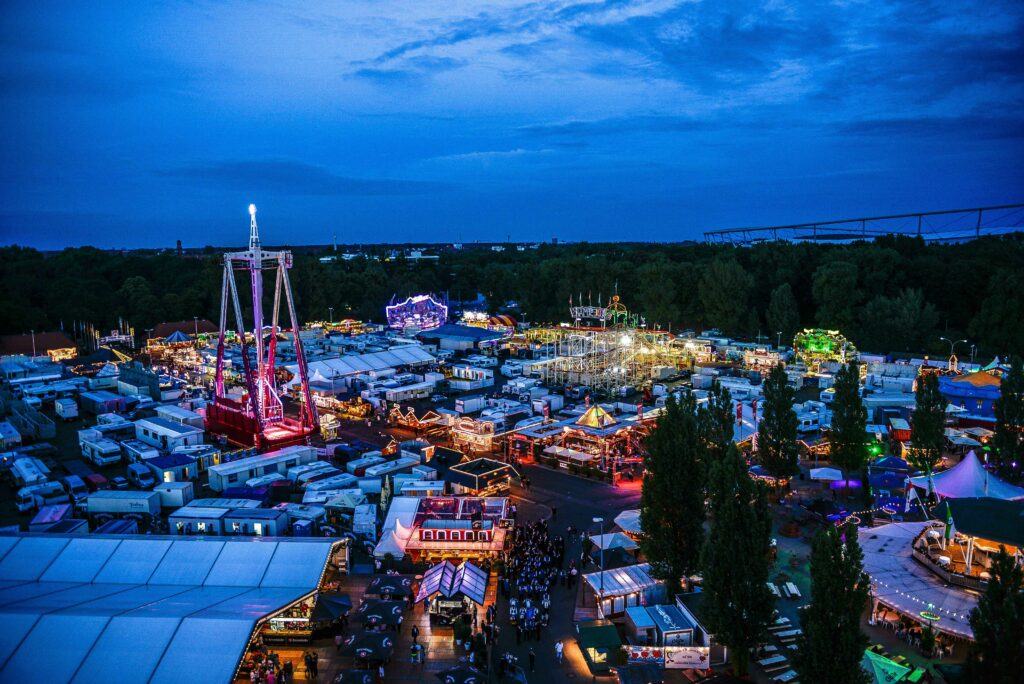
[141,476]
[119,483]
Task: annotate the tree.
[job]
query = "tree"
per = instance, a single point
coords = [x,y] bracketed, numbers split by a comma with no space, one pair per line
[999,322]
[928,425]
[672,500]
[783,314]
[736,559]
[998,653]
[717,422]
[904,322]
[836,295]
[725,290]
[1008,441]
[776,431]
[831,647]
[849,422]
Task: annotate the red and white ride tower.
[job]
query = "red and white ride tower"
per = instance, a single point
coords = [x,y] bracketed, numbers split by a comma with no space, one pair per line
[258,419]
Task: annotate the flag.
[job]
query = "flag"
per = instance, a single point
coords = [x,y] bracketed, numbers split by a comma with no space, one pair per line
[950,528]
[739,413]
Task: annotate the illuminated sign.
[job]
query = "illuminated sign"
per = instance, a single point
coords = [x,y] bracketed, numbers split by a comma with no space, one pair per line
[687,657]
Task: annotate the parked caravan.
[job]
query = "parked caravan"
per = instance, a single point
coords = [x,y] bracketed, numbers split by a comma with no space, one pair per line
[137,451]
[389,467]
[358,467]
[66,409]
[101,451]
[29,471]
[175,494]
[231,474]
[265,480]
[113,503]
[339,480]
[306,469]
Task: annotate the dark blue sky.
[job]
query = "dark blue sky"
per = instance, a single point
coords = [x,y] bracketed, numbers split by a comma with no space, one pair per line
[136,124]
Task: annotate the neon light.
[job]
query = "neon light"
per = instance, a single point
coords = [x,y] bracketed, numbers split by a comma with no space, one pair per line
[422,311]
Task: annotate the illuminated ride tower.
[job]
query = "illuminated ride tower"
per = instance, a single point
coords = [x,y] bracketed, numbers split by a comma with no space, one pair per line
[258,419]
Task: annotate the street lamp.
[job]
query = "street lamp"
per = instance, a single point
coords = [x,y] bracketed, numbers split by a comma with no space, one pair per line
[331,310]
[195,319]
[778,340]
[952,351]
[599,521]
[33,344]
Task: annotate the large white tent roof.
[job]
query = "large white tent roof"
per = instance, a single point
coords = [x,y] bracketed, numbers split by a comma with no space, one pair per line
[155,609]
[410,355]
[968,478]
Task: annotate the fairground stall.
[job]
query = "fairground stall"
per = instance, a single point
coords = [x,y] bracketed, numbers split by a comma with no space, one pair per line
[440,528]
[595,439]
[452,590]
[621,588]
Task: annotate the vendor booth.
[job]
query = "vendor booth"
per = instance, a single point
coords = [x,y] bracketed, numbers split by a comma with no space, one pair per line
[599,642]
[451,590]
[629,522]
[621,588]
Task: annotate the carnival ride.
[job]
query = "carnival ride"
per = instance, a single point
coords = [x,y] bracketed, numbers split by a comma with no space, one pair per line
[422,312]
[258,419]
[814,346]
[607,349]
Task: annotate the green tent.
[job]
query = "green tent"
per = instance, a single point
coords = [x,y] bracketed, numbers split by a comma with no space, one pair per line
[883,670]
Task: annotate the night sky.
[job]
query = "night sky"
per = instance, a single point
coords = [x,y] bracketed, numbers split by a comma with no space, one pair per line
[137,124]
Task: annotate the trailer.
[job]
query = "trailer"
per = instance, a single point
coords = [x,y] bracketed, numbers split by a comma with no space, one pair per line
[101,451]
[300,471]
[175,494]
[29,471]
[43,494]
[358,466]
[101,401]
[137,451]
[229,474]
[470,404]
[122,503]
[66,409]
[390,467]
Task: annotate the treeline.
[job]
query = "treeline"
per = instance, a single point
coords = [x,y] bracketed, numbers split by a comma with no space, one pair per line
[895,294]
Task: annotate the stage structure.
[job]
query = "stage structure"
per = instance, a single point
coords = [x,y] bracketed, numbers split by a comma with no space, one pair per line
[258,418]
[422,312]
[609,349]
[814,346]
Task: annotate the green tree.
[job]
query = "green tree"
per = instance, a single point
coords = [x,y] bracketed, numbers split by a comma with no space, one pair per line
[725,291]
[1008,441]
[999,322]
[902,323]
[783,314]
[776,431]
[997,656]
[736,559]
[836,295]
[927,426]
[831,647]
[848,438]
[717,422]
[672,500]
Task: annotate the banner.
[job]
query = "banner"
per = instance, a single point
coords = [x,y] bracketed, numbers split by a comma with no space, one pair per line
[687,657]
[645,654]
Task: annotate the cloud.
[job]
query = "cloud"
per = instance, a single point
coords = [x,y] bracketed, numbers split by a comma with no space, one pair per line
[972,126]
[617,125]
[296,178]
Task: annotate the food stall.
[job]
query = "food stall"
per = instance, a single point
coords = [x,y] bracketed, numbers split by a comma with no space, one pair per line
[451,590]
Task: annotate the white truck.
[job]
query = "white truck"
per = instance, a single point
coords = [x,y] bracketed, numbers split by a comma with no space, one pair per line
[101,451]
[124,502]
[66,409]
[39,495]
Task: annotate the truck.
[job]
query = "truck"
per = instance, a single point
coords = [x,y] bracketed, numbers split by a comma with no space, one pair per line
[110,504]
[470,404]
[101,451]
[75,487]
[141,476]
[66,409]
[36,496]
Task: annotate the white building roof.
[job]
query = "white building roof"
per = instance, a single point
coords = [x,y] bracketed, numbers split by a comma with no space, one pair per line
[196,601]
[362,363]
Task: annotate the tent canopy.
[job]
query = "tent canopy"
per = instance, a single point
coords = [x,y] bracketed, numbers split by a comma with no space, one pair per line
[396,585]
[986,518]
[968,478]
[613,540]
[378,612]
[826,474]
[447,579]
[881,670]
[629,521]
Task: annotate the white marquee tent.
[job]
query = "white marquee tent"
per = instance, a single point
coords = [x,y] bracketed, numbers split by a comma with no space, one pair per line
[156,610]
[968,478]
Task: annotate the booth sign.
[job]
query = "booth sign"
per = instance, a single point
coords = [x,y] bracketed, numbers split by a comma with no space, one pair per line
[687,657]
[645,654]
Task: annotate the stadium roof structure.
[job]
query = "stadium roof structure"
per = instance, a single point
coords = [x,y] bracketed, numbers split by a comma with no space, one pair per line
[155,610]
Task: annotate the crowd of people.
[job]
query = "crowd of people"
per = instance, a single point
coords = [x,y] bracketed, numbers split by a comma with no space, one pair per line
[533,567]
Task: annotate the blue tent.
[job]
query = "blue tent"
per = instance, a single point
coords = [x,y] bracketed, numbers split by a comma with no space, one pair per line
[177,337]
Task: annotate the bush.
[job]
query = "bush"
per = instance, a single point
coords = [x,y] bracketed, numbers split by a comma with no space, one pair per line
[574,469]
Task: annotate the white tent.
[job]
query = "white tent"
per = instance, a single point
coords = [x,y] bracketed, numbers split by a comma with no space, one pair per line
[629,521]
[826,474]
[968,478]
[614,540]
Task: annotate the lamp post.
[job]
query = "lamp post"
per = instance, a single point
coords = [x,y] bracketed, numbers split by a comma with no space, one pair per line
[778,340]
[599,521]
[33,344]
[330,309]
[952,351]
[195,320]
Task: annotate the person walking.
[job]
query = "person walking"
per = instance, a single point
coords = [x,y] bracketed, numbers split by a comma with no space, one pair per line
[415,633]
[559,648]
[337,642]
[533,660]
